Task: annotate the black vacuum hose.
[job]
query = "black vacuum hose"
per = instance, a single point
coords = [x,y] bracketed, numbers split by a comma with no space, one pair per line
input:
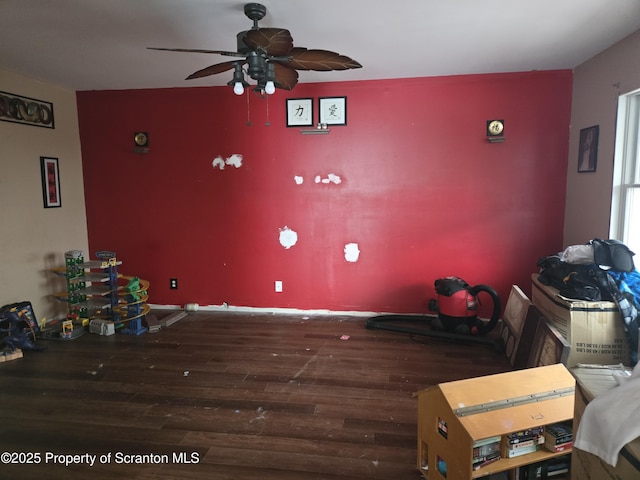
[495,315]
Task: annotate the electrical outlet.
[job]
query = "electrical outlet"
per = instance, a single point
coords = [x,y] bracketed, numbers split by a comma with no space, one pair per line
[278,286]
[173,283]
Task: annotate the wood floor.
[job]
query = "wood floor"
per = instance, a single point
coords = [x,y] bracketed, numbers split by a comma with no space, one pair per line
[228,396]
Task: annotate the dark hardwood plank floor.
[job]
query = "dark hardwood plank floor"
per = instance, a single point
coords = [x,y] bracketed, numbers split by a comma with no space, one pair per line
[228,396]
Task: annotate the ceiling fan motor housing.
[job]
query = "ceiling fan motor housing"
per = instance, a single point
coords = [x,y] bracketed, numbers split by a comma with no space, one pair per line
[257,65]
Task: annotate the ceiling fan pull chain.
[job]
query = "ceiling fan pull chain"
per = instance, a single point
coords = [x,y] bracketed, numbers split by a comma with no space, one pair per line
[267,123]
[248,109]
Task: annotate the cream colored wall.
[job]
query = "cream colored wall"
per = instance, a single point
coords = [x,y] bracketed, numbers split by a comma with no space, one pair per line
[597,84]
[33,238]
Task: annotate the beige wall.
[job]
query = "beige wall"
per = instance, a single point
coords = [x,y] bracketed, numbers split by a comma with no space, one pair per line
[597,84]
[33,239]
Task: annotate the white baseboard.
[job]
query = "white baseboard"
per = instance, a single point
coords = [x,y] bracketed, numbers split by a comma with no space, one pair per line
[280,311]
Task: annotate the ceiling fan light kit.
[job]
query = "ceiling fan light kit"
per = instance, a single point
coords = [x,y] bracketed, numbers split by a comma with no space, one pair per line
[270,58]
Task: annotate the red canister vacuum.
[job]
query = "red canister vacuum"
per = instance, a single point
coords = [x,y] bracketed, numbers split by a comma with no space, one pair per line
[457,307]
[457,319]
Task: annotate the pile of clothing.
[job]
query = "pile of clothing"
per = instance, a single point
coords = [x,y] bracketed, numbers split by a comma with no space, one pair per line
[599,270]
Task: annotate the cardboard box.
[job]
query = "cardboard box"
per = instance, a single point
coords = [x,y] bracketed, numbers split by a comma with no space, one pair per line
[595,330]
[591,382]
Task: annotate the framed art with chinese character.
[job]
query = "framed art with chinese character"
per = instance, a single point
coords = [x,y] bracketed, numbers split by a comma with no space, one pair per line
[299,112]
[50,182]
[333,110]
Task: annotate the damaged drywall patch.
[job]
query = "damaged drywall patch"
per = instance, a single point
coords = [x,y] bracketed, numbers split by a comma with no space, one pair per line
[234,160]
[351,252]
[333,178]
[288,238]
[330,178]
[218,162]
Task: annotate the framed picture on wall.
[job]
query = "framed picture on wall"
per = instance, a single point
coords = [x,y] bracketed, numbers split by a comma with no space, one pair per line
[299,112]
[333,110]
[588,151]
[50,182]
[26,110]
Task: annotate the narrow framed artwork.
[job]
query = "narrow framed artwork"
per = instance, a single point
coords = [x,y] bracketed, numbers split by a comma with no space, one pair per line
[333,110]
[588,151]
[50,182]
[299,112]
[26,110]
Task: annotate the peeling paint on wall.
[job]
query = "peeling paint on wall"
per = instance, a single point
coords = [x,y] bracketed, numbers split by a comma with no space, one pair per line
[288,238]
[351,252]
[331,178]
[234,160]
[298,179]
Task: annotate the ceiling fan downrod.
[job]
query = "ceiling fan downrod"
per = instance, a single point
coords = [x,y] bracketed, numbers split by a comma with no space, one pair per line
[255,12]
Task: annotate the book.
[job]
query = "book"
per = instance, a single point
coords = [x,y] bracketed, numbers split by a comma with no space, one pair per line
[486,460]
[516,452]
[558,433]
[552,468]
[486,447]
[485,441]
[561,447]
[532,471]
[508,450]
[555,472]
[483,451]
[524,444]
[524,435]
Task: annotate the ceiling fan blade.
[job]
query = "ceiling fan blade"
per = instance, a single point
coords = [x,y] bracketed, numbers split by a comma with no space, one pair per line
[195,50]
[213,69]
[286,78]
[320,60]
[276,42]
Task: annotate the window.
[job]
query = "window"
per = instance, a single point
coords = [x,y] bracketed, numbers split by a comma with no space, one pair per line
[625,201]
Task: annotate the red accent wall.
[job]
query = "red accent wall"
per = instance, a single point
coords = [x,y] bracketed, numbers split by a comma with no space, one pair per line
[422,192]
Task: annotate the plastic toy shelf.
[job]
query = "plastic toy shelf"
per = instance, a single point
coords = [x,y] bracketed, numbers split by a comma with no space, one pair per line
[95,290]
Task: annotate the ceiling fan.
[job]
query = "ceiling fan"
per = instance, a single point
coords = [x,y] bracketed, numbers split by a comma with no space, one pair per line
[270,57]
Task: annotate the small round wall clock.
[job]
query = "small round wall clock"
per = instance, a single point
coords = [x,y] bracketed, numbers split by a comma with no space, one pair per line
[141,139]
[495,128]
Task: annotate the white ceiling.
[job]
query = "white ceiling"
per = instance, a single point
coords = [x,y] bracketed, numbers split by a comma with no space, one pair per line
[101,44]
